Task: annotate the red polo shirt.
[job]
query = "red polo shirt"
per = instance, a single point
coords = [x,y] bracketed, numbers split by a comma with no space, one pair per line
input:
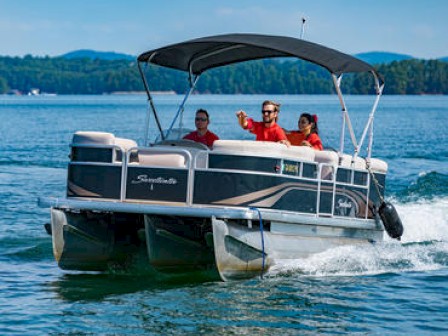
[274,133]
[207,139]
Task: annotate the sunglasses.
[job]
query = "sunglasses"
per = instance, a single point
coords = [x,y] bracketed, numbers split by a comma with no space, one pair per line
[200,119]
[267,111]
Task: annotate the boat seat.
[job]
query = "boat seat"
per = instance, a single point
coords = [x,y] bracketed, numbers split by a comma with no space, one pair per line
[346,162]
[101,138]
[264,148]
[104,138]
[326,156]
[162,160]
[330,159]
[125,144]
[182,143]
[93,138]
[378,165]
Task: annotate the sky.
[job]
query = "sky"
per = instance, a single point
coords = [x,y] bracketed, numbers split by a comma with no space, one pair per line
[55,27]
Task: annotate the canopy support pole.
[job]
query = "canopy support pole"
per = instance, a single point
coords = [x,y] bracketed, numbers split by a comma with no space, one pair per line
[151,103]
[345,119]
[182,105]
[369,125]
[379,90]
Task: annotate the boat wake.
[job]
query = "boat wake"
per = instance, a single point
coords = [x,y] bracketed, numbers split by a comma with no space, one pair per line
[429,185]
[424,247]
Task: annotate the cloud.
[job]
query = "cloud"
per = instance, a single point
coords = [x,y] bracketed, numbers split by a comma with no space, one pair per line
[7,27]
[224,11]
[422,31]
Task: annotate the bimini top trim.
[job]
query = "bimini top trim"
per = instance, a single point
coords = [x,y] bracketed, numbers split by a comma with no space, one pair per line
[198,55]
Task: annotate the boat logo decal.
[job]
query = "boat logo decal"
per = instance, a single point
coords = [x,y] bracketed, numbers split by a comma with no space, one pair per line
[150,180]
[345,206]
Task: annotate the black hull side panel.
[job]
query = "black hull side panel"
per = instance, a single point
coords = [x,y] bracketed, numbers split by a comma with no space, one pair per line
[280,193]
[157,184]
[94,181]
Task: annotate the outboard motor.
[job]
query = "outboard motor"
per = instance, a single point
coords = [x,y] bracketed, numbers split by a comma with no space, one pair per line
[391,220]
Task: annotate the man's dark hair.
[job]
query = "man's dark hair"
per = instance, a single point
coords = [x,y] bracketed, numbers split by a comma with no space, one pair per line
[203,111]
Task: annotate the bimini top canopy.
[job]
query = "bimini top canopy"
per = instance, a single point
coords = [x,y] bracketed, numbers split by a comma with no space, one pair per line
[196,56]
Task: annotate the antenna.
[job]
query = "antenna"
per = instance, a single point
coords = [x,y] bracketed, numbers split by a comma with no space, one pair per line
[302,32]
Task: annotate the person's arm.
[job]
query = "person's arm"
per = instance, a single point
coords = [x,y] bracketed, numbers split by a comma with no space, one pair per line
[245,123]
[281,136]
[313,142]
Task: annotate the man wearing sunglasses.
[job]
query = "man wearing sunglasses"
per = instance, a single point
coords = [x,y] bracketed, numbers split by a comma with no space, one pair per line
[202,134]
[268,129]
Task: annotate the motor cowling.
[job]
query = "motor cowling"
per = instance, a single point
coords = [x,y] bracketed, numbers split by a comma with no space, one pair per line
[391,220]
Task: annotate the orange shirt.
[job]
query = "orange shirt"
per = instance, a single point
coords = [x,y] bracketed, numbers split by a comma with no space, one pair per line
[296,138]
[274,133]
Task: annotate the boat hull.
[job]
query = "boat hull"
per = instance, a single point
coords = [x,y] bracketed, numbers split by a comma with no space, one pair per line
[179,244]
[246,251]
[232,248]
[94,241]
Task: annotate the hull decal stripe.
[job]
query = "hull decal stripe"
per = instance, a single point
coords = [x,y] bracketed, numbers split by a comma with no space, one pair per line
[270,201]
[261,193]
[79,191]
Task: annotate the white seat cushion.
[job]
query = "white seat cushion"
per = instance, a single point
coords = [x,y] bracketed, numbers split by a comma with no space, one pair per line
[378,165]
[161,160]
[126,144]
[326,156]
[346,162]
[96,138]
[264,148]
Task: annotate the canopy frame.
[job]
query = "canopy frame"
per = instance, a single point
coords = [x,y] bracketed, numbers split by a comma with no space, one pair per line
[199,55]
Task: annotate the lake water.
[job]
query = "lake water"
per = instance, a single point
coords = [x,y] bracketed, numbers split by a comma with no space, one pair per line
[389,288]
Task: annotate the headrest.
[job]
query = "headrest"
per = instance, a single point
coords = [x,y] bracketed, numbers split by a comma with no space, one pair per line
[99,138]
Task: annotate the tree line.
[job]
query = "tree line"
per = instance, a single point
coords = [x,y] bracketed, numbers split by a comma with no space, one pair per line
[279,76]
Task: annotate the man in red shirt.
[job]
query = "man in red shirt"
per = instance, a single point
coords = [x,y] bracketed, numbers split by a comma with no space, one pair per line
[268,129]
[202,134]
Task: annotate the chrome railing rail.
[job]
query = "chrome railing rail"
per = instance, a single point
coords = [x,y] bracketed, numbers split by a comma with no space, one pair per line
[191,165]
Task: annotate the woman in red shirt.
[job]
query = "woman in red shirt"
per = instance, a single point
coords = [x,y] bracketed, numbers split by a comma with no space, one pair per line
[308,133]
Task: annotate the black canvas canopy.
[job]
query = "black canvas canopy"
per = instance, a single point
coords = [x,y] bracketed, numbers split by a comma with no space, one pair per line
[205,53]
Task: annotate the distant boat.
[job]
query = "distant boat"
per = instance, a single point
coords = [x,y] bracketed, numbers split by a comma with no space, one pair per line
[34,92]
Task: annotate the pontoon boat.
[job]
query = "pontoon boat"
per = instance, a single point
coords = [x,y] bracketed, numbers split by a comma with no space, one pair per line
[236,209]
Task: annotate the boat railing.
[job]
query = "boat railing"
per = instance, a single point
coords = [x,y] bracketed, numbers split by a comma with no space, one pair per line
[171,165]
[166,174]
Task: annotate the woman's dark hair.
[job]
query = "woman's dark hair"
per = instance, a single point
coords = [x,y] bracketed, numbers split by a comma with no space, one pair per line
[312,119]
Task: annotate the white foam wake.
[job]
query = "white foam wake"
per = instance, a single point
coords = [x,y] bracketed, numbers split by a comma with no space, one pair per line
[424,221]
[424,247]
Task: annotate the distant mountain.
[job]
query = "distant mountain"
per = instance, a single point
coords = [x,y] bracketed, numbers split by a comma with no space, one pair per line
[381,57]
[373,57]
[93,54]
